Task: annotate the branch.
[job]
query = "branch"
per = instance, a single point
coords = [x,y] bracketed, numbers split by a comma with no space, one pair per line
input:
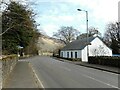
[6,31]
[12,27]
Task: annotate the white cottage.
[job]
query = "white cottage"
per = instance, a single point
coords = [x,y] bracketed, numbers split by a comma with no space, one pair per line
[78,49]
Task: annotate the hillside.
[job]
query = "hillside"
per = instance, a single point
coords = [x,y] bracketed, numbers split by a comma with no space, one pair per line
[47,44]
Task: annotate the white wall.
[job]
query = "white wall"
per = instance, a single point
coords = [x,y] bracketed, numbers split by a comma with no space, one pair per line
[65,53]
[98,48]
[84,55]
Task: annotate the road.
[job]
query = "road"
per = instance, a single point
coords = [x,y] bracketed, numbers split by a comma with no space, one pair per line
[57,74]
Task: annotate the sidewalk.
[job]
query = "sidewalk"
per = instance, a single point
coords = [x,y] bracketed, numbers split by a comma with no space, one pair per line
[95,66]
[21,77]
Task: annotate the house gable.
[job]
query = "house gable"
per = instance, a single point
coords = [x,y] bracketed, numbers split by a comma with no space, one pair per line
[98,48]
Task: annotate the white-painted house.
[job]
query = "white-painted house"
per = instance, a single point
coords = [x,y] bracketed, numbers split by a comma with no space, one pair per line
[78,49]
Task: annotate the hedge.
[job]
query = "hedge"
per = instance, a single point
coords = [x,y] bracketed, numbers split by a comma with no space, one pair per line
[72,59]
[105,60]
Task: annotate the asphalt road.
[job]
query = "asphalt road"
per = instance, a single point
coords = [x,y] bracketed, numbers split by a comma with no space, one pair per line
[57,74]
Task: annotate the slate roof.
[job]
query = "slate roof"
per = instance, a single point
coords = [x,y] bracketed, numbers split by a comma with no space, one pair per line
[78,44]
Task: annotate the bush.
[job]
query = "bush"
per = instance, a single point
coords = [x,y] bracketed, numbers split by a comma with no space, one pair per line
[73,59]
[70,59]
[105,60]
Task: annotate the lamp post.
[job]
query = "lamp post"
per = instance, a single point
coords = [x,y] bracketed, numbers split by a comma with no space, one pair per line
[86,29]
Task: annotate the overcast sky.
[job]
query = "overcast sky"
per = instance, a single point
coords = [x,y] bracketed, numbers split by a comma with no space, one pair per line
[52,14]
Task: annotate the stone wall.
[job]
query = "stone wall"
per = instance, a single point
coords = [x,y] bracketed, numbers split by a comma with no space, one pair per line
[8,63]
[0,75]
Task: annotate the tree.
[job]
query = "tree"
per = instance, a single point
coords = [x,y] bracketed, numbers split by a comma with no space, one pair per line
[18,27]
[66,34]
[92,31]
[81,36]
[112,37]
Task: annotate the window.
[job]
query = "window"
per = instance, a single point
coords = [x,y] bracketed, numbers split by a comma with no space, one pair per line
[75,54]
[67,54]
[71,54]
[61,54]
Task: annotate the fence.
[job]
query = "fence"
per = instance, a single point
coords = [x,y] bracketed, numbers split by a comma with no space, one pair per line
[8,63]
[105,60]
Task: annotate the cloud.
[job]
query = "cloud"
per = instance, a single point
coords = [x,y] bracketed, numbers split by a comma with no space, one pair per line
[55,13]
[64,18]
[106,10]
[50,28]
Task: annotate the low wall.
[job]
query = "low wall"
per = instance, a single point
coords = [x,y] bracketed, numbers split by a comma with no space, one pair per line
[0,74]
[8,63]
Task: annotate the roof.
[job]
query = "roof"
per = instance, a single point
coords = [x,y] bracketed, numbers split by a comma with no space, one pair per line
[78,44]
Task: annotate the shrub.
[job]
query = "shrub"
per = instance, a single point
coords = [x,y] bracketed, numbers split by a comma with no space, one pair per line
[105,60]
[71,59]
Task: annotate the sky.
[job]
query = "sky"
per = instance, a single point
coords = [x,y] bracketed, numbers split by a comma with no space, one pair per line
[52,14]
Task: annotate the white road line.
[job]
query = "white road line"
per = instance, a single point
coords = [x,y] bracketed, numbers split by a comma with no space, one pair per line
[101,81]
[93,78]
[37,78]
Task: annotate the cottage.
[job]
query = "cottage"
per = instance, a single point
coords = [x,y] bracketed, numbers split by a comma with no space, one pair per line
[79,48]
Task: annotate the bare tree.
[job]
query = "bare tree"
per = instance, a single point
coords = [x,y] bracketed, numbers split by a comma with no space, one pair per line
[112,37]
[93,31]
[66,34]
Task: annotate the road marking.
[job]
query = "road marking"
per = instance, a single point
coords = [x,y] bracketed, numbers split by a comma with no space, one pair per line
[101,81]
[37,77]
[39,80]
[95,79]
